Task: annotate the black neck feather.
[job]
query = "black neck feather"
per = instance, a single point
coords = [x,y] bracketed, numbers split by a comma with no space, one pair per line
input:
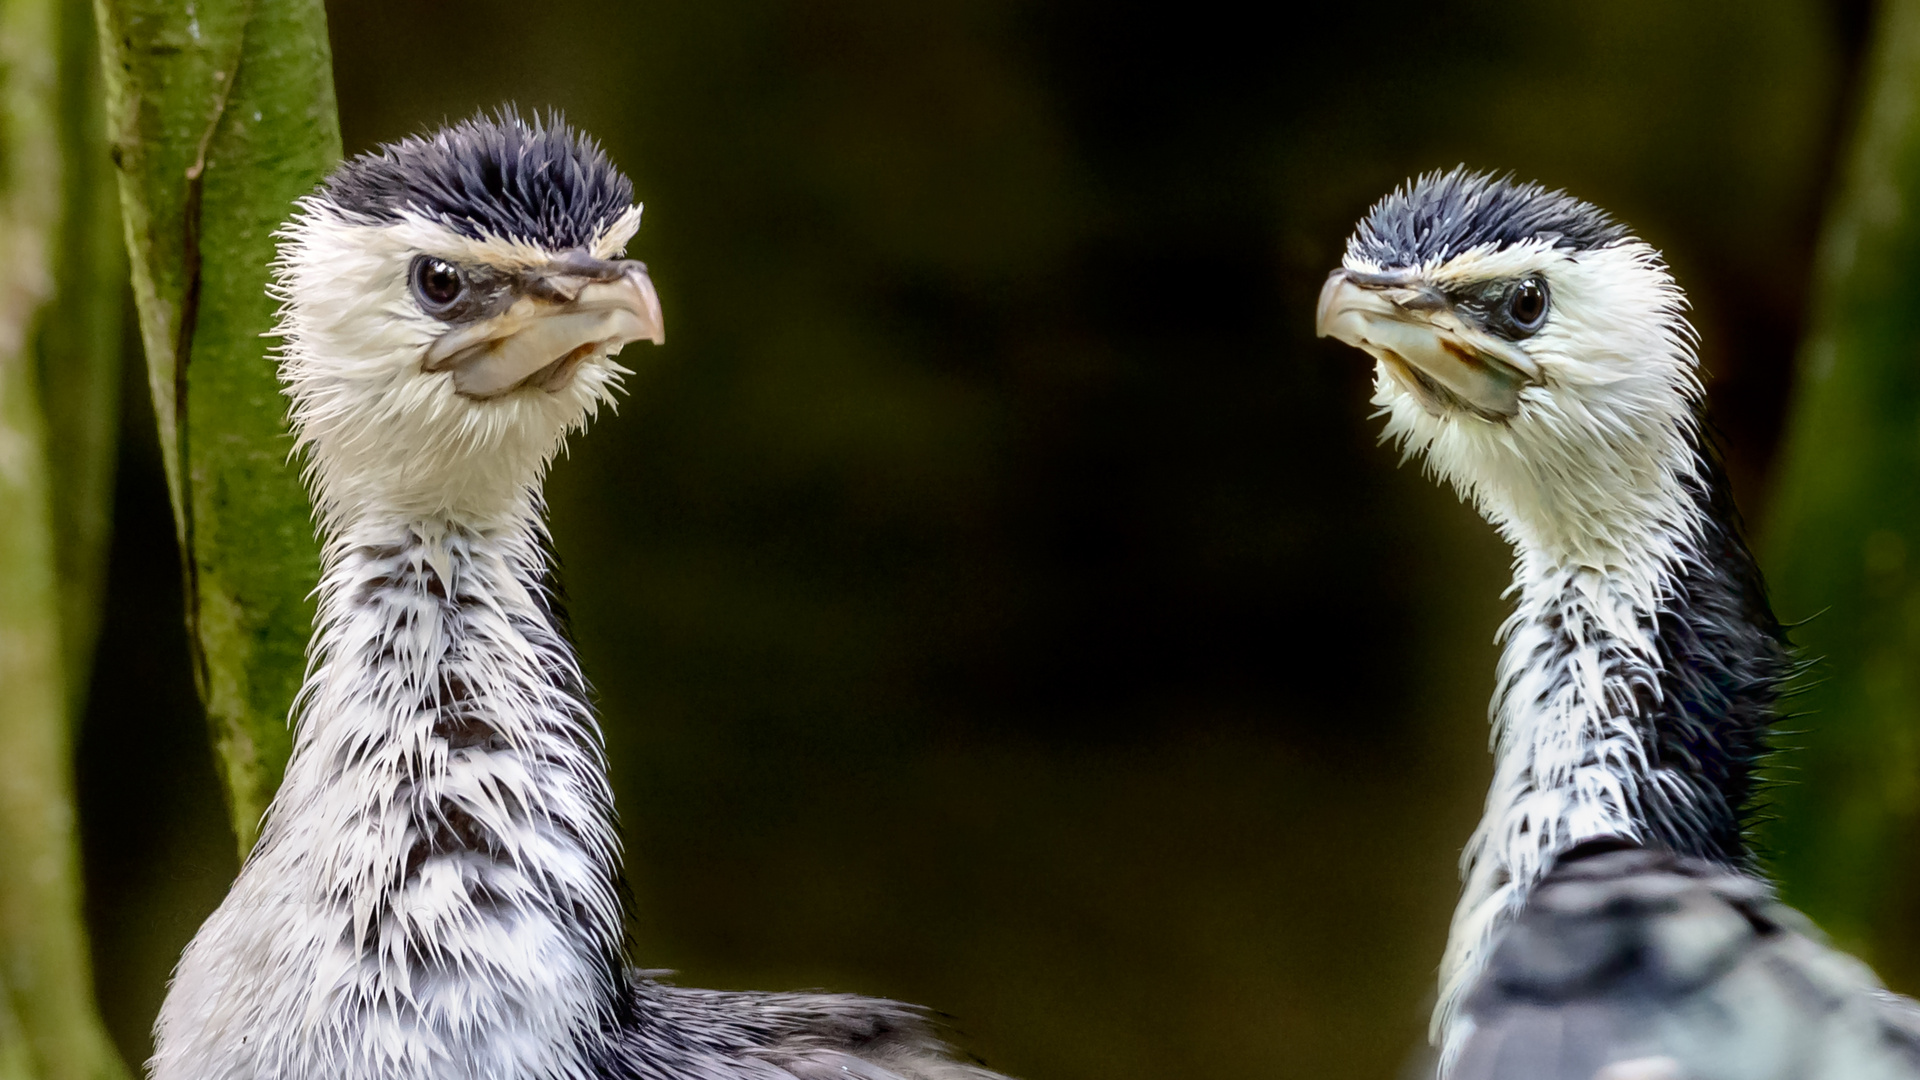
[1723,658]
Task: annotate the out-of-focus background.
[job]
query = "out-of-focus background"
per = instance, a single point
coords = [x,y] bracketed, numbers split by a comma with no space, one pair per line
[995,595]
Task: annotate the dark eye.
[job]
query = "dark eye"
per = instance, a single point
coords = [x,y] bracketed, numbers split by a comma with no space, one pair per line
[1528,304]
[437,283]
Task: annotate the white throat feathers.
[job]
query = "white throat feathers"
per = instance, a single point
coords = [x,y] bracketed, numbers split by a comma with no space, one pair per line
[435,891]
[1536,357]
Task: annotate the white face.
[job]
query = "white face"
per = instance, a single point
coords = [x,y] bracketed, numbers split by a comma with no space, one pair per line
[1555,389]
[433,374]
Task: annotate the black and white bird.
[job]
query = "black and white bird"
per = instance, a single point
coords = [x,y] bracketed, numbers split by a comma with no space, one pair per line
[436,891]
[1613,925]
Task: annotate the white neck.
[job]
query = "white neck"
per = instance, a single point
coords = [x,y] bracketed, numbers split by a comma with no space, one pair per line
[1570,753]
[1632,697]
[434,892]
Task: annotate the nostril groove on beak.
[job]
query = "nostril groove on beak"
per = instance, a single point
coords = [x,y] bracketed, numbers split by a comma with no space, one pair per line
[562,278]
[1424,299]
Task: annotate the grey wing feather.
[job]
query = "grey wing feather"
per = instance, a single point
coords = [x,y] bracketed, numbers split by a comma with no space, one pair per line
[682,1033]
[1633,964]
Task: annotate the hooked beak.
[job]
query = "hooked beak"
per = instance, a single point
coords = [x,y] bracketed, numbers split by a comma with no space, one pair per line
[575,308]
[1412,329]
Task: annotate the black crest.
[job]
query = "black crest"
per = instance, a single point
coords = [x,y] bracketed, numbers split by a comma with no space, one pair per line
[1440,215]
[541,182]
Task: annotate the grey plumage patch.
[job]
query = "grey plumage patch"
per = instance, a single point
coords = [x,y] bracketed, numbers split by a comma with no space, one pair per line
[539,181]
[1440,215]
[1627,955]
[682,1033]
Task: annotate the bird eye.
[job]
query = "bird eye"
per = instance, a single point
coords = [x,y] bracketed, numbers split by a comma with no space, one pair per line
[437,284]
[1528,304]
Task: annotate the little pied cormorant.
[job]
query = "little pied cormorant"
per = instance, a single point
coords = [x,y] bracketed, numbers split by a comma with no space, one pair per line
[1613,925]
[436,891]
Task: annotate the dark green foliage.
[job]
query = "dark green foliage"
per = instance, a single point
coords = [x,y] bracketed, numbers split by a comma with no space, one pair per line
[1839,542]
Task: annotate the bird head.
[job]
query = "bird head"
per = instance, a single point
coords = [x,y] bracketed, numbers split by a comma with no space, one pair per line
[450,308]
[1533,351]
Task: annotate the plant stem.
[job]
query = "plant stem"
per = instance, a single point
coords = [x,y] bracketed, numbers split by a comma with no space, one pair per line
[221,113]
[49,1027]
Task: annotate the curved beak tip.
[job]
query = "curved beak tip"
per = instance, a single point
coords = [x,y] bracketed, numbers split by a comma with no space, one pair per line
[649,307]
[1328,293]
[1346,310]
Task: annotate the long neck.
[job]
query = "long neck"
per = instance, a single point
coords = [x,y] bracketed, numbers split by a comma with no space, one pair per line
[1632,702]
[449,789]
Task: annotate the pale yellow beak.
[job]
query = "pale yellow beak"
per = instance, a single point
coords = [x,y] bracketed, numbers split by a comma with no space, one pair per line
[544,337]
[1411,329]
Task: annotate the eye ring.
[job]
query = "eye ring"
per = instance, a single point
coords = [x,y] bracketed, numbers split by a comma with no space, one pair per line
[1527,305]
[437,284]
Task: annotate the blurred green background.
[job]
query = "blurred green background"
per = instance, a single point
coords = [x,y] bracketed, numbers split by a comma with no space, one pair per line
[995,595]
